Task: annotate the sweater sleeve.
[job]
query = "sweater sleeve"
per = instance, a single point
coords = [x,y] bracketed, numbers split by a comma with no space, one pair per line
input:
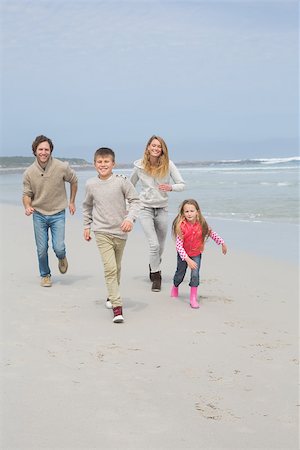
[87,208]
[133,201]
[179,247]
[27,190]
[70,175]
[179,183]
[134,178]
[215,237]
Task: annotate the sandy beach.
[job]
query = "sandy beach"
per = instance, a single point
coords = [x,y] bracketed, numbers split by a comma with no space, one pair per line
[220,377]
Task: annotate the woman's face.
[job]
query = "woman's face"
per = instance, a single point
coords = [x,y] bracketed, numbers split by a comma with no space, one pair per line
[155,148]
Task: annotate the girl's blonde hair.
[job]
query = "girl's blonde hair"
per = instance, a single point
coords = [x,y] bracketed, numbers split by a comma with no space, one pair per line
[176,230]
[162,167]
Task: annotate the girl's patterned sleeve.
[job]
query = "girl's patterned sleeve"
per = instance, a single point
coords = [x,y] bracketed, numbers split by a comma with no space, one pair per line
[218,240]
[179,247]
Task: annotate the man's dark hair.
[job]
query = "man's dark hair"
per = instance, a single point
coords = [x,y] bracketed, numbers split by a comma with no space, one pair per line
[104,151]
[38,140]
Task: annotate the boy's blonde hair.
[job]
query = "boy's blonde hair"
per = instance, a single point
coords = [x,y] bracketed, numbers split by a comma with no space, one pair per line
[162,168]
[176,229]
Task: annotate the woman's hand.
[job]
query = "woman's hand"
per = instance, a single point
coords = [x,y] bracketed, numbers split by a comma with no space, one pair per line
[165,187]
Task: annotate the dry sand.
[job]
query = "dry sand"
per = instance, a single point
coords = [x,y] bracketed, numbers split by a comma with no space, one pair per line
[221,377]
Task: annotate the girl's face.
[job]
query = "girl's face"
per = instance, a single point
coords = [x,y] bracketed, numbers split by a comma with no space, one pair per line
[190,213]
[154,148]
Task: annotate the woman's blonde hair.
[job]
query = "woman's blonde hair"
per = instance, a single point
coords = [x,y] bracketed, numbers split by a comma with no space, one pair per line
[162,167]
[176,229]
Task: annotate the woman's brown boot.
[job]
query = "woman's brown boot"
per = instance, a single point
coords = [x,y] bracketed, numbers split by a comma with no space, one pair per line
[156,281]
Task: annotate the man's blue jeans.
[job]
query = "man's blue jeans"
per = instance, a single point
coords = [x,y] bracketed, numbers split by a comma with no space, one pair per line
[181,271]
[41,225]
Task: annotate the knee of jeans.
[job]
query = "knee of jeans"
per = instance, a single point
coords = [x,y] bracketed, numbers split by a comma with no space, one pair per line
[42,251]
[59,249]
[194,280]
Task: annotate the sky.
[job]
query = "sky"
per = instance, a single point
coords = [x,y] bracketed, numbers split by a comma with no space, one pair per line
[215,79]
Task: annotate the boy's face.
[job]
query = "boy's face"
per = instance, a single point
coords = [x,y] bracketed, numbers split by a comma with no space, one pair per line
[104,166]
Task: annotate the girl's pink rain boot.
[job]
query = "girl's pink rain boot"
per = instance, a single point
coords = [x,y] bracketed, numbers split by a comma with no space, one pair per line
[193,298]
[174,291]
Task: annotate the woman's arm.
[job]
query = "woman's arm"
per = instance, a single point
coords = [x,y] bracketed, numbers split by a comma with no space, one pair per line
[179,183]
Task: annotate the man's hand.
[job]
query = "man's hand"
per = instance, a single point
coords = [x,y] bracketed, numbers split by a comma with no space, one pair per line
[72,208]
[29,210]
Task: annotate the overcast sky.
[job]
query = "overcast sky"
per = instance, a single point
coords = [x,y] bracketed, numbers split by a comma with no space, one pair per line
[215,79]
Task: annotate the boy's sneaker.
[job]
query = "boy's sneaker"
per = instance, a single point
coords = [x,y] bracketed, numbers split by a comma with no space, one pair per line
[46,281]
[108,304]
[63,265]
[118,318]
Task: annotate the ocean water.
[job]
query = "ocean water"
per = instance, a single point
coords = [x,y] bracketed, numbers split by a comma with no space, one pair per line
[261,195]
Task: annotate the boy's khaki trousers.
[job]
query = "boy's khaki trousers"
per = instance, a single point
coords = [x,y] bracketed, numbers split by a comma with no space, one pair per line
[111,250]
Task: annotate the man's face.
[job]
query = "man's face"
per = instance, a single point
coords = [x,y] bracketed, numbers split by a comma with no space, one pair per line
[104,166]
[43,153]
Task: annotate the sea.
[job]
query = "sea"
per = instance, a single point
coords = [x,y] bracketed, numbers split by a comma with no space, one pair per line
[253,204]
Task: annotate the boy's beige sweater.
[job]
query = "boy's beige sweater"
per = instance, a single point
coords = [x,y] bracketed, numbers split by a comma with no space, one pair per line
[105,208]
[47,188]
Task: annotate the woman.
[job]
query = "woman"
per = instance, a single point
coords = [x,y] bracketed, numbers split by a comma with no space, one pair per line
[158,176]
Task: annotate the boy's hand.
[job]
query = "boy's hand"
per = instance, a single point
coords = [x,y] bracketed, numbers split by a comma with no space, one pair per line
[86,234]
[126,226]
[224,249]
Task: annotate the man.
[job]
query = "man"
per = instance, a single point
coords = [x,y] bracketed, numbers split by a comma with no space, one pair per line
[45,197]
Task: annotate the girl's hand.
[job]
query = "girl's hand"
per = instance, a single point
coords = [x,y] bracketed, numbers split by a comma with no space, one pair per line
[224,249]
[86,234]
[165,187]
[191,263]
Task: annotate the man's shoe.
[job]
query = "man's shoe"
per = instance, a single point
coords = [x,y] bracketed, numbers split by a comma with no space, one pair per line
[108,304]
[63,265]
[46,281]
[118,318]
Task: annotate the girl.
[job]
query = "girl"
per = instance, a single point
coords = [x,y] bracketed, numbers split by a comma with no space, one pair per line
[155,172]
[190,230]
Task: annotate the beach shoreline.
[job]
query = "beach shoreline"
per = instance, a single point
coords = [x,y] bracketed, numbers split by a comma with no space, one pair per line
[168,378]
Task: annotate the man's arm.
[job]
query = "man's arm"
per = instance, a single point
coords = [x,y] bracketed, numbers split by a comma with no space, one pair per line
[73,192]
[27,205]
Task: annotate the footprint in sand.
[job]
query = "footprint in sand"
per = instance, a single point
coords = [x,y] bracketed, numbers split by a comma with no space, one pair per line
[210,410]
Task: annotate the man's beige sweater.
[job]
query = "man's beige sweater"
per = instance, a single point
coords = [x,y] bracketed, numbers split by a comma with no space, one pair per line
[47,188]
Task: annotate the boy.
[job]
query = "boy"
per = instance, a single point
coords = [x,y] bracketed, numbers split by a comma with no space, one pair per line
[104,208]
